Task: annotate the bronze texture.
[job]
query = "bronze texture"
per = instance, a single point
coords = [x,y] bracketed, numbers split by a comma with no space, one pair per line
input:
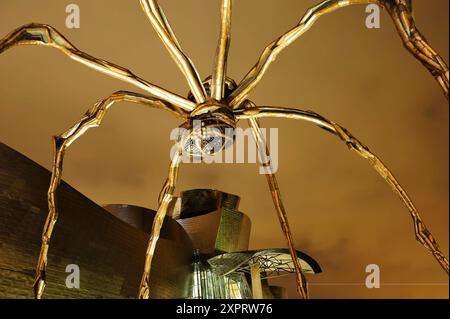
[221,107]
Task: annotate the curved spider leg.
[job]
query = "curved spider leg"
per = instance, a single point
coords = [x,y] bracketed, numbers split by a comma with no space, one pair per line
[165,33]
[156,9]
[166,197]
[401,14]
[92,118]
[254,76]
[264,153]
[220,63]
[423,235]
[42,34]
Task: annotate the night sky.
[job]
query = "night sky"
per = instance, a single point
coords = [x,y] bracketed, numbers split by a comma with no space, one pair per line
[341,212]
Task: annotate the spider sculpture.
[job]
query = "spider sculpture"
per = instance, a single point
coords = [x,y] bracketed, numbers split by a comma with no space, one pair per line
[219,103]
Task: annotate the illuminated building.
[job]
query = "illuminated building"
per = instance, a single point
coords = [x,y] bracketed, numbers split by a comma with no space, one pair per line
[202,251]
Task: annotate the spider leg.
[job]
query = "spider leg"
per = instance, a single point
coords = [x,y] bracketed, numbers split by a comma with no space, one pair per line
[402,16]
[165,198]
[401,13]
[165,33]
[220,63]
[423,235]
[158,12]
[92,118]
[41,34]
[264,153]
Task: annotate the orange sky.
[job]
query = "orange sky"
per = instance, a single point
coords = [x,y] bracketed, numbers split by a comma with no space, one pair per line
[341,212]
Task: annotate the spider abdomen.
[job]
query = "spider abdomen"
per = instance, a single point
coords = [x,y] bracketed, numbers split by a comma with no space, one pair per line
[209,129]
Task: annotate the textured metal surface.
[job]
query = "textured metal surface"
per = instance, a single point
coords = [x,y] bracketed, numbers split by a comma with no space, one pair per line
[220,63]
[109,252]
[196,202]
[272,262]
[211,219]
[39,34]
[234,231]
[205,283]
[164,31]
[92,118]
[400,12]
[142,219]
[203,231]
[165,198]
[423,235]
[275,192]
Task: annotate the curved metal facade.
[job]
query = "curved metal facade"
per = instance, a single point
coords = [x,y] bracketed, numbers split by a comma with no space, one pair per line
[212,220]
[108,244]
[109,252]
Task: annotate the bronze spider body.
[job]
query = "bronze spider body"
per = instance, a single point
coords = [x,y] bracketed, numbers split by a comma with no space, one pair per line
[218,103]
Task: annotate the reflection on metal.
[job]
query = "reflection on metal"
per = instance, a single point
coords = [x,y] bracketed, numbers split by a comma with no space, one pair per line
[272,262]
[142,219]
[220,235]
[197,202]
[109,251]
[220,108]
[255,272]
[206,284]
[212,220]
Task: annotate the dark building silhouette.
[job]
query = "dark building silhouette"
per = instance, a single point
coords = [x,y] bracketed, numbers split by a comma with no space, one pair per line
[109,252]
[202,251]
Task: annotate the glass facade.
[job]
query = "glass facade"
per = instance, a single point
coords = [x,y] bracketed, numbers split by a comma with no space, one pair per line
[204,283]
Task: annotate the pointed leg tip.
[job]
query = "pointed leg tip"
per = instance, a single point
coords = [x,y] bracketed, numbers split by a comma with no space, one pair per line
[144,293]
[38,287]
[302,288]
